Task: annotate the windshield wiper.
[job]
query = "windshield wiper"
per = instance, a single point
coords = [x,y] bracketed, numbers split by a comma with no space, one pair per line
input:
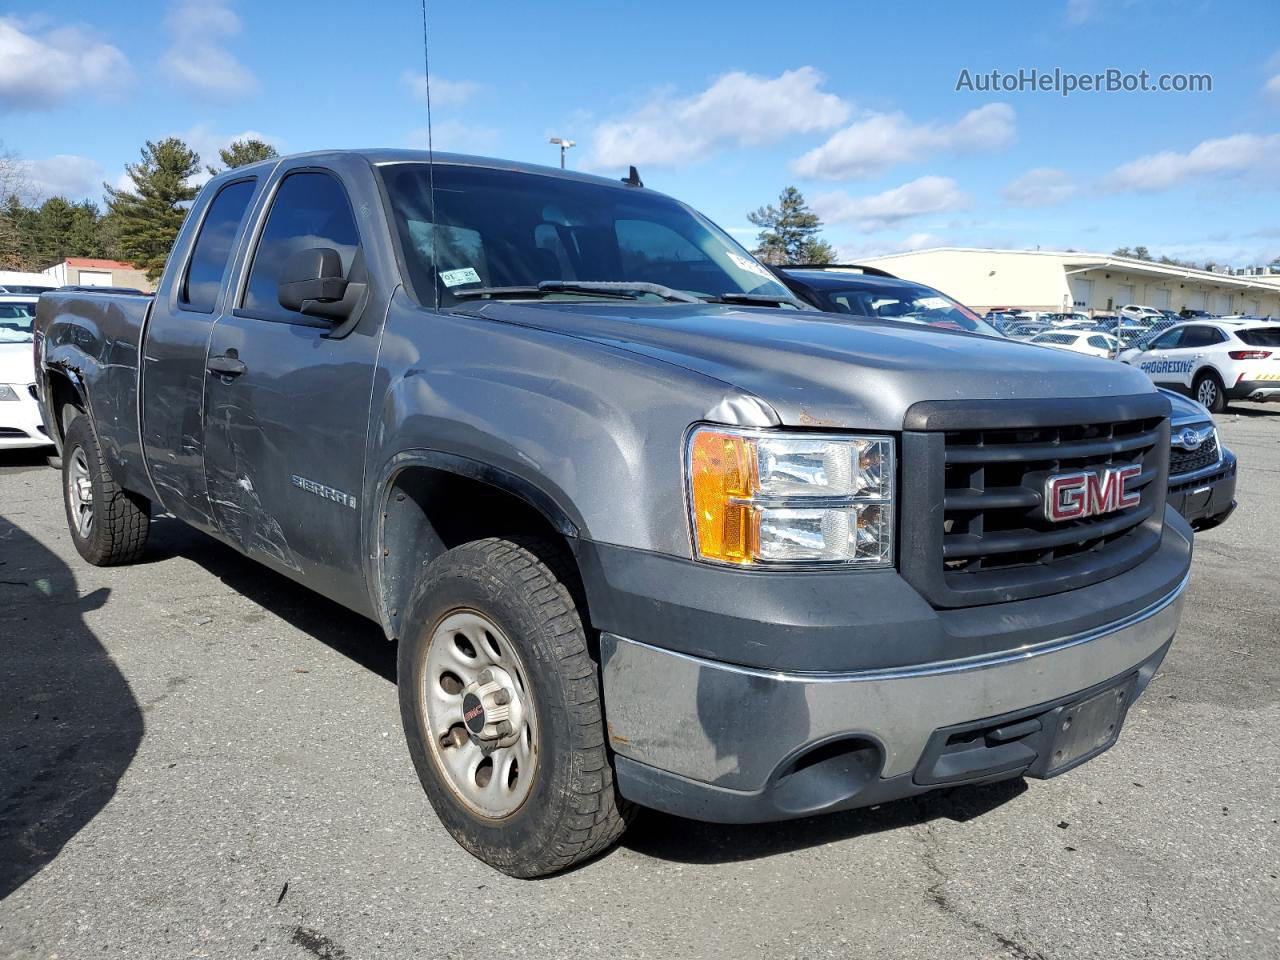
[612,289]
[618,286]
[764,298]
[519,293]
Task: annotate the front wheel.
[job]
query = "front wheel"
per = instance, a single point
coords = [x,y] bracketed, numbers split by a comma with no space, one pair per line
[500,701]
[1210,393]
[108,524]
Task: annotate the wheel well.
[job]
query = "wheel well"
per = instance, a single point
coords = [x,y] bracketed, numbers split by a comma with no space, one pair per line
[62,394]
[429,511]
[1207,372]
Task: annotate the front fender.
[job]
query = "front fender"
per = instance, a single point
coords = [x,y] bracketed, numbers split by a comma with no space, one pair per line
[591,430]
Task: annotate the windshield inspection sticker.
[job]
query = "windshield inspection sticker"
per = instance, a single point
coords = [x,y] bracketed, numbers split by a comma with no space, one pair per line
[746,263]
[455,278]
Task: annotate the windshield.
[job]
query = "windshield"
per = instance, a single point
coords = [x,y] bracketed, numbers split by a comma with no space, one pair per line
[499,228]
[906,303]
[15,322]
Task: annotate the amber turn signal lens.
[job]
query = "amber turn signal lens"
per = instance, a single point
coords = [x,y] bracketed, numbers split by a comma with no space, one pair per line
[722,468]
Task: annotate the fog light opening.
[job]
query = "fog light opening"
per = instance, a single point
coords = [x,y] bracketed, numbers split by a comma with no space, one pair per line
[827,775]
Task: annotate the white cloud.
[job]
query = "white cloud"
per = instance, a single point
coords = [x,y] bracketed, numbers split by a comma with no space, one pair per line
[1081,11]
[878,141]
[1041,187]
[206,141]
[444,93]
[453,136]
[40,70]
[1241,155]
[919,197]
[738,109]
[1272,87]
[197,60]
[65,175]
[857,252]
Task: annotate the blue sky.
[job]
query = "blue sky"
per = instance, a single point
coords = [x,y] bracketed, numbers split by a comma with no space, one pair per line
[719,104]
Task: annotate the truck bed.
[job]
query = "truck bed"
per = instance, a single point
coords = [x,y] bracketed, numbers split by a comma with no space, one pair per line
[93,339]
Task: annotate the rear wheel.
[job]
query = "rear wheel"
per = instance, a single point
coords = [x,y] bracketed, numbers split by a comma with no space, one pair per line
[500,701]
[1210,393]
[108,525]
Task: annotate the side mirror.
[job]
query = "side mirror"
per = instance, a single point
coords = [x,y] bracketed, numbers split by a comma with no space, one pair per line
[312,282]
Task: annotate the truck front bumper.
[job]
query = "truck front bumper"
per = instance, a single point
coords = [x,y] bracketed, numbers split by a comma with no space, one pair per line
[722,742]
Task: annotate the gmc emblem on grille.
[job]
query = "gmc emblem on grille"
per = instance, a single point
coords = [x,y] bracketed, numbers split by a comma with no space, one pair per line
[1070,496]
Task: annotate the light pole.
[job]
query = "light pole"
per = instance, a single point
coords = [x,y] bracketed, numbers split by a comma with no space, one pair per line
[564,145]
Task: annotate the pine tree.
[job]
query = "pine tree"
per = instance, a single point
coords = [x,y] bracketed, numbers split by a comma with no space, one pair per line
[790,232]
[240,153]
[146,220]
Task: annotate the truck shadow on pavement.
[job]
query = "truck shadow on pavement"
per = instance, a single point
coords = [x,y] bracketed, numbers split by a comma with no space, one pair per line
[689,841]
[69,723]
[355,637]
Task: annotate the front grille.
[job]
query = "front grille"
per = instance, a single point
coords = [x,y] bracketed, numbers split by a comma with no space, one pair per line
[1188,461]
[12,433]
[993,507]
[974,528]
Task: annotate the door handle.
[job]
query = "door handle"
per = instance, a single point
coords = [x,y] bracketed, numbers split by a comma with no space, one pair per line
[226,366]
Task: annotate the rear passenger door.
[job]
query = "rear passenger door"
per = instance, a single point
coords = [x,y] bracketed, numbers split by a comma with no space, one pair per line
[172,362]
[288,396]
[1196,340]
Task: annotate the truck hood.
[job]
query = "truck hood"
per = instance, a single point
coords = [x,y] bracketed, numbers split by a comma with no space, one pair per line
[822,369]
[17,363]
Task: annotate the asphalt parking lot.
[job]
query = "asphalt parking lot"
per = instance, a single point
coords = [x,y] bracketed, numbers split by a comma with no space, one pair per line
[200,759]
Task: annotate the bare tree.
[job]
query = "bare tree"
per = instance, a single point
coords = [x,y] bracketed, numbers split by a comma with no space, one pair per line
[15,192]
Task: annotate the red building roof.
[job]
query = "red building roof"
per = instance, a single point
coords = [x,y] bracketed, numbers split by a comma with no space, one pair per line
[91,262]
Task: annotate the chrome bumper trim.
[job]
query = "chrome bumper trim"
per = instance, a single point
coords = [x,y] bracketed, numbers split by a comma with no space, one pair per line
[731,725]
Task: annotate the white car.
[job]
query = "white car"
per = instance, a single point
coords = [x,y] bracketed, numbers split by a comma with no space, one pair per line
[20,423]
[1140,313]
[1214,361]
[1093,342]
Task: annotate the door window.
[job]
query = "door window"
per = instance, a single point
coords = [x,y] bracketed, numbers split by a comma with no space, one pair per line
[208,263]
[309,210]
[1168,341]
[1199,337]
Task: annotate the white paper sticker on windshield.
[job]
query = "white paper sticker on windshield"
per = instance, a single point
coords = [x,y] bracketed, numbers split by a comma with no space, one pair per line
[932,303]
[746,263]
[454,278]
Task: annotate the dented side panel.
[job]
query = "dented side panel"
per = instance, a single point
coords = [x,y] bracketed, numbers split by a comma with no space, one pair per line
[93,341]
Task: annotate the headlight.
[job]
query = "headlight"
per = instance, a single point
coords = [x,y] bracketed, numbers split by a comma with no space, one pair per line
[759,498]
[7,392]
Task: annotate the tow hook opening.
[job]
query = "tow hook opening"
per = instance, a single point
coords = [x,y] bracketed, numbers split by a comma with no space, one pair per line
[827,774]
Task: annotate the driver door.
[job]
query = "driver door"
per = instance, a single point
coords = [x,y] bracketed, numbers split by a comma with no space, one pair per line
[1162,360]
[287,399]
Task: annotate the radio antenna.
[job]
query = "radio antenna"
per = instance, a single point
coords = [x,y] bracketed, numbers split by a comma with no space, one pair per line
[431,158]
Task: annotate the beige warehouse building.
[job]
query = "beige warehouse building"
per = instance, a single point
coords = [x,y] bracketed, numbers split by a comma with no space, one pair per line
[1049,280]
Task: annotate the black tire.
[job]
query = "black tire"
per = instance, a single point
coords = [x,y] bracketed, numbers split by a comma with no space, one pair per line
[1208,390]
[572,810]
[121,520]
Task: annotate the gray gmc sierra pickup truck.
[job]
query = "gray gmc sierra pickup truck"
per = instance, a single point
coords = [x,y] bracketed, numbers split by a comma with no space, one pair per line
[648,531]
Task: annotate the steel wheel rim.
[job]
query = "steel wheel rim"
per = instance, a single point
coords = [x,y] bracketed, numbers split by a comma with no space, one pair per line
[492,778]
[80,493]
[1208,393]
